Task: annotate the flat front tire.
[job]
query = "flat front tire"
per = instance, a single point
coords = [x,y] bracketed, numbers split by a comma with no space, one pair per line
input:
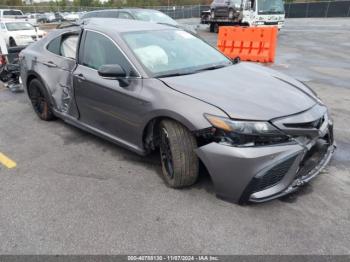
[179,161]
[40,101]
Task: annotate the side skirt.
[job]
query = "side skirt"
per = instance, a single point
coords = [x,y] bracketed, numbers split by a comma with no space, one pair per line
[75,122]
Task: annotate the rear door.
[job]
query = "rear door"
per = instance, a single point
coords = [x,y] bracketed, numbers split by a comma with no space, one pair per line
[56,66]
[106,104]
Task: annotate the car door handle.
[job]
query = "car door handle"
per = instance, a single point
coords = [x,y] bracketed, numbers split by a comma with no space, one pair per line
[80,76]
[50,64]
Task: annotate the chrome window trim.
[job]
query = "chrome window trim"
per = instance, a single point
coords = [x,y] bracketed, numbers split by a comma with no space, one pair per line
[111,78]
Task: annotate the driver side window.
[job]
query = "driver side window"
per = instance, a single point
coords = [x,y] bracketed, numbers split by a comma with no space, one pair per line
[99,50]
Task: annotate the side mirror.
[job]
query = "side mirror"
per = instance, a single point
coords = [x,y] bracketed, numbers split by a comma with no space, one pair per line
[112,71]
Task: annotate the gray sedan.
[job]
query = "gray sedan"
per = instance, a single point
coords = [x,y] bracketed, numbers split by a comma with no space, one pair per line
[260,134]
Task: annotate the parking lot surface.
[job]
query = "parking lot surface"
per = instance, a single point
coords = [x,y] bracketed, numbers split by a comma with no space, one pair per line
[74,193]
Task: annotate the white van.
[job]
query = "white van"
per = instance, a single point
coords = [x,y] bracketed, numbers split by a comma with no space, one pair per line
[11,13]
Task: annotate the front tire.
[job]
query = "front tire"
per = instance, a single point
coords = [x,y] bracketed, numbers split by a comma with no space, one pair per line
[40,101]
[216,28]
[12,42]
[179,162]
[212,14]
[231,14]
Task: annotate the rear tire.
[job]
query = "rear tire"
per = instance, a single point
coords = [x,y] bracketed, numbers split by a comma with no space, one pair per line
[180,163]
[40,102]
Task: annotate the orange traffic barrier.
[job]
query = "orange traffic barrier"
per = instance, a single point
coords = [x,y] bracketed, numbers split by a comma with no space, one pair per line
[248,43]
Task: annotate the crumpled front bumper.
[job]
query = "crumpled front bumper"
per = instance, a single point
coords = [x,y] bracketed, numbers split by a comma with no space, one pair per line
[258,174]
[234,169]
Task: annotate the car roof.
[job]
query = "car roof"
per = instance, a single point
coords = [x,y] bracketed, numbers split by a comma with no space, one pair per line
[122,25]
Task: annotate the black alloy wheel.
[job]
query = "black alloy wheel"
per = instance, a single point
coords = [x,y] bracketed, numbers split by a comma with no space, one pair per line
[39,100]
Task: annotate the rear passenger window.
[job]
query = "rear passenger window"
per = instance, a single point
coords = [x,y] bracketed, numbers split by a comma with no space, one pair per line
[65,45]
[54,46]
[69,46]
[108,14]
[99,50]
[124,15]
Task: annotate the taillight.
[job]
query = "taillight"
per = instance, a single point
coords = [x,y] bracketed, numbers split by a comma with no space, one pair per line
[2,60]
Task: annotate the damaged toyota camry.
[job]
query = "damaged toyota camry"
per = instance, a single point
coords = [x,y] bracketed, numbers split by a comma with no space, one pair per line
[259,133]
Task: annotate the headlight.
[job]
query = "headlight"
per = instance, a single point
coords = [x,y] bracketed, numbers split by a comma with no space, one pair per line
[245,133]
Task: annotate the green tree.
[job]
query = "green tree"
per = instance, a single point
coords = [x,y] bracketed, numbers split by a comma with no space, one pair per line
[52,6]
[14,2]
[62,4]
[86,2]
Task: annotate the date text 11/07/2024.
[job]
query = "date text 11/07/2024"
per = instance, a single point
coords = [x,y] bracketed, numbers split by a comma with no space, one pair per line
[173,258]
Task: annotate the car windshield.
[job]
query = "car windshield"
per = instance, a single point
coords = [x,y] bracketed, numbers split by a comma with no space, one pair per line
[154,16]
[270,7]
[16,26]
[12,13]
[173,52]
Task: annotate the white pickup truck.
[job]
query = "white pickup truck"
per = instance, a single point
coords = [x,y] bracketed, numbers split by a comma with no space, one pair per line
[244,12]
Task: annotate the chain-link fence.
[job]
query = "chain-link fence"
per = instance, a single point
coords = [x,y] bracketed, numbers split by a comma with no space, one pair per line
[318,9]
[339,8]
[180,12]
[176,12]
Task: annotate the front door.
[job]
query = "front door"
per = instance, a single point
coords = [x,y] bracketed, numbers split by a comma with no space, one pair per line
[106,104]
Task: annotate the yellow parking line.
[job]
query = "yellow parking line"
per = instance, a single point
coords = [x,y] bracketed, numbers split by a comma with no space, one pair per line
[7,161]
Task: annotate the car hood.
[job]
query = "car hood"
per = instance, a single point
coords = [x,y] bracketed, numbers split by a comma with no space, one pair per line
[246,91]
[23,33]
